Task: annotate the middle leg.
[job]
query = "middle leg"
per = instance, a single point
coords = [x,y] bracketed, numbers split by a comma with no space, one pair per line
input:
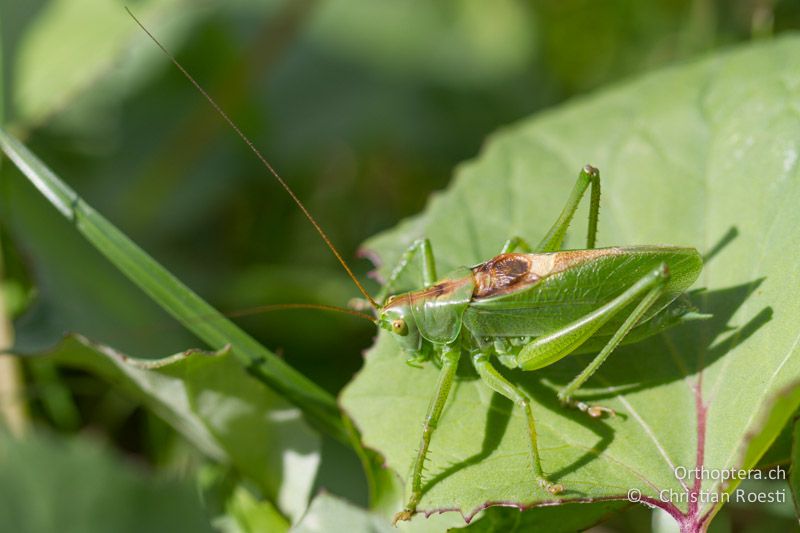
[500,384]
[426,261]
[516,243]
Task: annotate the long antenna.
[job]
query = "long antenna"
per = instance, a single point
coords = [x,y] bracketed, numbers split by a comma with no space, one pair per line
[151,329]
[280,307]
[263,160]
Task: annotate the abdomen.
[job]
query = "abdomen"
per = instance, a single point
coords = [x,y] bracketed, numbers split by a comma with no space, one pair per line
[577,283]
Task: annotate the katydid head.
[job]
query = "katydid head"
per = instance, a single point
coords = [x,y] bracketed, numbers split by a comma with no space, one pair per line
[396,318]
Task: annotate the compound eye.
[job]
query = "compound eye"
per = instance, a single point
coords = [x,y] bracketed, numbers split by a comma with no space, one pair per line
[399,326]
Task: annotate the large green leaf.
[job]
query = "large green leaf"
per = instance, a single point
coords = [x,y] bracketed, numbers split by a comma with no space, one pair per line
[704,154]
[216,405]
[74,485]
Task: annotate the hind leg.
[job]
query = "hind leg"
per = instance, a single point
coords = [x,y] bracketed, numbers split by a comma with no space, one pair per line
[554,239]
[547,349]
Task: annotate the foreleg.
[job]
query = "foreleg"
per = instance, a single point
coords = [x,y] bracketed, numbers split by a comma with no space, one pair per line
[450,357]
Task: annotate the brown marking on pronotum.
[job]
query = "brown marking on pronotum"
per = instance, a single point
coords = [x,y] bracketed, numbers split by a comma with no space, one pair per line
[508,273]
[430,293]
[503,274]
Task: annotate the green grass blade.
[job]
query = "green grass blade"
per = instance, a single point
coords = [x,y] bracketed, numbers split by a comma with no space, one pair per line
[175,297]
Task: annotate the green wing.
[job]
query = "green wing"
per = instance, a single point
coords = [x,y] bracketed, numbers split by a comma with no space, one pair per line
[561,298]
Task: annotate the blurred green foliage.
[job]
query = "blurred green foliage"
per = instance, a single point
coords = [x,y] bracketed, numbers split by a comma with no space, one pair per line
[364,107]
[76,485]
